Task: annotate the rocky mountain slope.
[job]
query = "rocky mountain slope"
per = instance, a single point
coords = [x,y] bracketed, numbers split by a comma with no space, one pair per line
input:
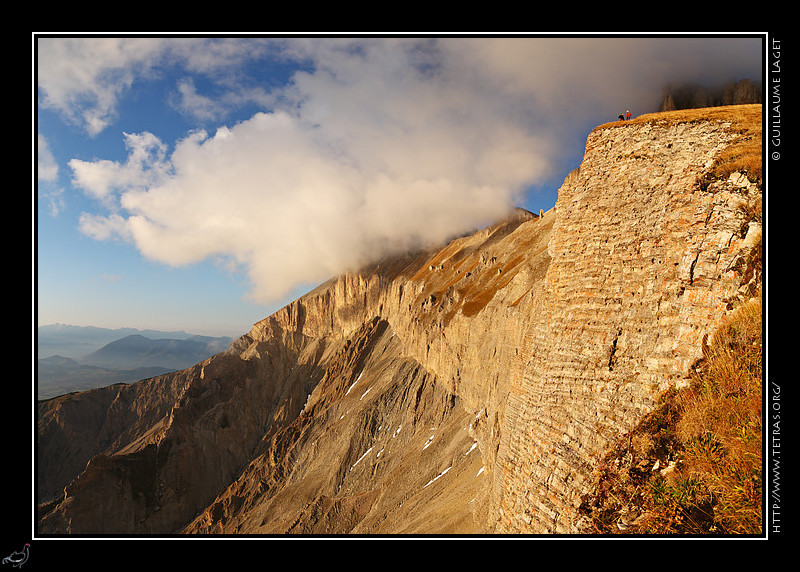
[466,390]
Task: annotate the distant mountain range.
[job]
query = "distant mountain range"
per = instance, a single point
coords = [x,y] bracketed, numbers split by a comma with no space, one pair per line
[76,358]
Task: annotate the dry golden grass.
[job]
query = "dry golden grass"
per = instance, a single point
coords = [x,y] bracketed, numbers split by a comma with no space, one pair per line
[744,155]
[721,423]
[709,436]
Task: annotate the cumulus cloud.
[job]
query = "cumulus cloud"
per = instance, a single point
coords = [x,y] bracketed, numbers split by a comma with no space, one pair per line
[103,179]
[378,146]
[293,206]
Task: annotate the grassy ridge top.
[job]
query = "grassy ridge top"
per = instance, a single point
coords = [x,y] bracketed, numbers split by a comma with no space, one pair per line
[743,155]
[747,117]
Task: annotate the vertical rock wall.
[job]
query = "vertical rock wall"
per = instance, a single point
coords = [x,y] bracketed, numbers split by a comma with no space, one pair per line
[644,263]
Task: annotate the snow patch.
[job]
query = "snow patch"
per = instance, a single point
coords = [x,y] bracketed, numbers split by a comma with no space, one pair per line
[354,383]
[440,475]
[361,457]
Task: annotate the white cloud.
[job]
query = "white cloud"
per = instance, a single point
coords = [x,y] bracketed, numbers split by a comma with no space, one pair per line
[294,206]
[101,227]
[145,166]
[47,177]
[47,168]
[190,102]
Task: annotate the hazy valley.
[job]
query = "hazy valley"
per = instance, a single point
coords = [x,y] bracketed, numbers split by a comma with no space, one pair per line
[75,358]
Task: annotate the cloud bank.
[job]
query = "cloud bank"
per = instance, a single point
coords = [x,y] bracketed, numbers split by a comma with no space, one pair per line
[375,146]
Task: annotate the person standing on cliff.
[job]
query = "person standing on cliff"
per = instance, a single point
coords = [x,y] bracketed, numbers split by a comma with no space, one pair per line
[627,115]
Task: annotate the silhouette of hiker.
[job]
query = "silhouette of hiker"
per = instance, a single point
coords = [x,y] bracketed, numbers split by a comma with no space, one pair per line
[621,118]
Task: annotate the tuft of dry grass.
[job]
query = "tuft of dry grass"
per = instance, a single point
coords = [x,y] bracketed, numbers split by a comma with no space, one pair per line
[694,465]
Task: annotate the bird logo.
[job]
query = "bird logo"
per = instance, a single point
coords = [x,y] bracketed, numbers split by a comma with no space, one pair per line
[17,559]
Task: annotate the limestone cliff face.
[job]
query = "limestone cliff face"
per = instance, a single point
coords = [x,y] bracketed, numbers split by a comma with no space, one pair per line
[469,389]
[645,261]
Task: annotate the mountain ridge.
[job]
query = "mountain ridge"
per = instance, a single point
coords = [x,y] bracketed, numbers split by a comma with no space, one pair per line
[100,356]
[464,390]
[135,350]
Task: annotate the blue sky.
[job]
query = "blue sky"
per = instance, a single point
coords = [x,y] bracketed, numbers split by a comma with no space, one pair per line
[200,183]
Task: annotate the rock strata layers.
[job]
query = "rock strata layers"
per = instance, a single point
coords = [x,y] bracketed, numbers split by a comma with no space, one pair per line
[644,263]
[464,390]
